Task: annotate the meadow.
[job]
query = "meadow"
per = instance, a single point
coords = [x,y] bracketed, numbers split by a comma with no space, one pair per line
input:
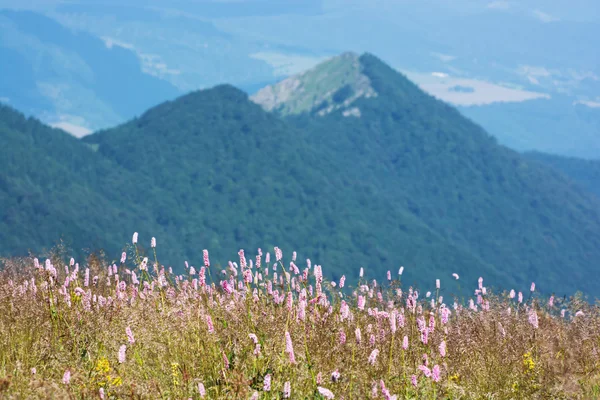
[273,327]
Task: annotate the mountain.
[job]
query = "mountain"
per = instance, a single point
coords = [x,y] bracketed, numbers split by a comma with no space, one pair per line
[557,125]
[71,78]
[359,168]
[584,172]
[234,176]
[54,187]
[526,220]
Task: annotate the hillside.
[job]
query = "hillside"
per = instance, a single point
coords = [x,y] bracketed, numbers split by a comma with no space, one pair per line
[385,176]
[54,187]
[234,176]
[585,173]
[524,219]
[70,77]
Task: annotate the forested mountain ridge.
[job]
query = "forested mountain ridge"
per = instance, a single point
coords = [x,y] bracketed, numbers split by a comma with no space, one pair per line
[454,176]
[54,187]
[391,178]
[583,172]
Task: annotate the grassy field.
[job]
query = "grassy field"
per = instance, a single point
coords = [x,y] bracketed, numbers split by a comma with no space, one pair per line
[270,328]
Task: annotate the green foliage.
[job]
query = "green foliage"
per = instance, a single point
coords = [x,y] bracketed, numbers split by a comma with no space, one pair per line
[410,181]
[585,173]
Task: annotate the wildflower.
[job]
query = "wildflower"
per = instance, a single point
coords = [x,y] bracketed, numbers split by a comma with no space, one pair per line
[289,348]
[428,294]
[401,270]
[562,313]
[225,360]
[342,337]
[405,343]
[373,356]
[254,396]
[442,348]
[135,238]
[129,335]
[153,242]
[512,293]
[532,286]
[435,375]
[437,283]
[335,376]
[455,275]
[122,350]
[66,377]
[413,380]
[389,276]
[267,383]
[358,335]
[278,254]
[101,393]
[211,328]
[361,273]
[325,392]
[287,390]
[342,281]
[551,301]
[372,339]
[579,313]
[445,315]
[361,302]
[426,371]
[533,318]
[528,362]
[242,259]
[520,297]
[201,389]
[33,371]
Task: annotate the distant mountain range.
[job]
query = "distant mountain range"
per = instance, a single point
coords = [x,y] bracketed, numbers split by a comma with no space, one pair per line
[527,72]
[71,79]
[350,164]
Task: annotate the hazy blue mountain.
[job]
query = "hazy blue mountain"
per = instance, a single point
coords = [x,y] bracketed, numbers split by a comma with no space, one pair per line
[67,76]
[554,125]
[542,47]
[584,172]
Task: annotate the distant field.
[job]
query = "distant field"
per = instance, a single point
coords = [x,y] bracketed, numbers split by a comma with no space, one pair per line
[271,327]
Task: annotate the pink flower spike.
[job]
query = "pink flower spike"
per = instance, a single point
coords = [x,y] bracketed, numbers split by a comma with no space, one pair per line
[405,343]
[66,377]
[435,374]
[122,350]
[211,328]
[287,390]
[267,383]
[130,337]
[532,286]
[455,275]
[201,389]
[413,380]
[289,348]
[373,356]
[443,348]
[328,394]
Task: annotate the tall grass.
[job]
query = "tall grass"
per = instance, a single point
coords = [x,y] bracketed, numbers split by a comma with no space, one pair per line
[266,329]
